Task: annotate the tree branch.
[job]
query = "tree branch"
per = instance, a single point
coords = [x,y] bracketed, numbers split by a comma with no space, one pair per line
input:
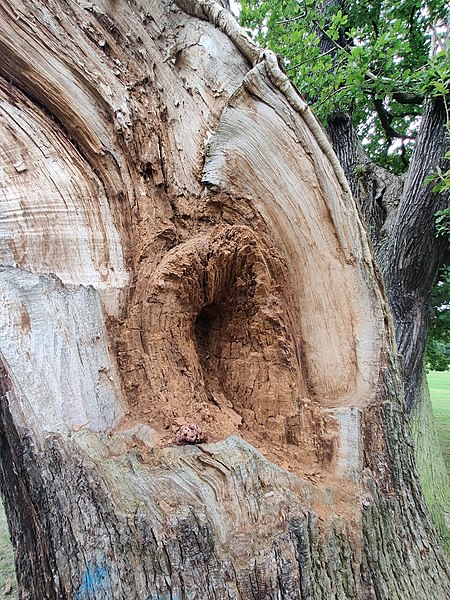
[408,97]
[412,254]
[386,119]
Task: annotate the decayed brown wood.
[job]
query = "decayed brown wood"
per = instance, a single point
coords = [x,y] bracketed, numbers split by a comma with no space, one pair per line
[179,244]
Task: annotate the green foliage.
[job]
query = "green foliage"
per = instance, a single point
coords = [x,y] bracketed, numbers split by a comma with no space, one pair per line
[443,218]
[441,181]
[370,58]
[438,342]
[438,355]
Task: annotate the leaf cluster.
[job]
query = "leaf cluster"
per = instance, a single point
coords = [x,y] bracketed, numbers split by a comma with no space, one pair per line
[438,342]
[373,59]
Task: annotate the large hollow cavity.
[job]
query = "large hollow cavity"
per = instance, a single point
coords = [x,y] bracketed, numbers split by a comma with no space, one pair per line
[244,341]
[217,332]
[216,345]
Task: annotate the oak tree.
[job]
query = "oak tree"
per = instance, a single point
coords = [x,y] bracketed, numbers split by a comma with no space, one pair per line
[180,245]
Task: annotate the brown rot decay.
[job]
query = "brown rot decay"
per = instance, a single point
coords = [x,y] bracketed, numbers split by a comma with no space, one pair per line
[189,434]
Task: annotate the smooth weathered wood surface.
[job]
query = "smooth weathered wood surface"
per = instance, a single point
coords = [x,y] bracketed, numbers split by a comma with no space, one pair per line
[179,243]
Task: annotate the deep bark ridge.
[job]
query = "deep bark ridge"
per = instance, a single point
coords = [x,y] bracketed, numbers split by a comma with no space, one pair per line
[180,244]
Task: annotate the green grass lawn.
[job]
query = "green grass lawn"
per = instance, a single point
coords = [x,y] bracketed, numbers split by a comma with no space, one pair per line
[439,383]
[6,560]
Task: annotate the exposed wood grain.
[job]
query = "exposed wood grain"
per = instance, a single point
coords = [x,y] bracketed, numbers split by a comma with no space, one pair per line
[178,243]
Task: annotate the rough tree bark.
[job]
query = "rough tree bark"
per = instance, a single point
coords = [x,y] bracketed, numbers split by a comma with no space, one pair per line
[179,243]
[399,213]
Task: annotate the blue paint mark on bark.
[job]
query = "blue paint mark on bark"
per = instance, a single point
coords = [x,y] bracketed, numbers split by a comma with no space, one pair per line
[95,580]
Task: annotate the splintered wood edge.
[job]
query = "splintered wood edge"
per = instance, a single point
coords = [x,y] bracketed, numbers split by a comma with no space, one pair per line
[221,18]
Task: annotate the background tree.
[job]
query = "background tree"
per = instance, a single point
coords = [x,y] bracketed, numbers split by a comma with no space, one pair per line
[378,74]
[438,342]
[179,243]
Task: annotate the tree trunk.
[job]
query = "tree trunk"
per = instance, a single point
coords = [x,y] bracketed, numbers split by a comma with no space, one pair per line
[411,253]
[179,244]
[400,216]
